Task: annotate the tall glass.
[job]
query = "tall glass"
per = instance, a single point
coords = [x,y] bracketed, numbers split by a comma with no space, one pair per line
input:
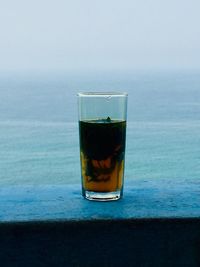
[102,132]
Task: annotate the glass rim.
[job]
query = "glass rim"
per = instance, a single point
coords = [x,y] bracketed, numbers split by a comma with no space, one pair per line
[102,94]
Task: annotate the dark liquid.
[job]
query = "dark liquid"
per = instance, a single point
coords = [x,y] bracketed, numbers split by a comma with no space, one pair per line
[102,147]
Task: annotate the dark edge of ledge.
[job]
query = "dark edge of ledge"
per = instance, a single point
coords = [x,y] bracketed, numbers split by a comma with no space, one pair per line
[102,243]
[135,221]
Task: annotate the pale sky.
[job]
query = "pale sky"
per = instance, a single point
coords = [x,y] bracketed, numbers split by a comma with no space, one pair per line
[99,34]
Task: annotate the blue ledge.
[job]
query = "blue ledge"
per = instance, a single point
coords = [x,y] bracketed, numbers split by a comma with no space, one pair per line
[142,199]
[157,223]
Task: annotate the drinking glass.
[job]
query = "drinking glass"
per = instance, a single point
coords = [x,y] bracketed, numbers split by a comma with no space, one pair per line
[102,136]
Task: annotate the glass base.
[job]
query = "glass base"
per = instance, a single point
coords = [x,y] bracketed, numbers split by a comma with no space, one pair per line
[99,196]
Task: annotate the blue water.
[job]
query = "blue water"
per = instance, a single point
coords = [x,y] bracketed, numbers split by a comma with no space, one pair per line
[39,131]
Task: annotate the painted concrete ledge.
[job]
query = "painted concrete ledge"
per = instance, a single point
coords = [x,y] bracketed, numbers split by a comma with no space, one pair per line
[157,223]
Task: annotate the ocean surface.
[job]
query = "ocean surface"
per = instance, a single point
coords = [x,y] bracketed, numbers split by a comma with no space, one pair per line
[39,141]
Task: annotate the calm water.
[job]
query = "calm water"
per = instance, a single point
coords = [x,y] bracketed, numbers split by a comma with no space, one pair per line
[39,130]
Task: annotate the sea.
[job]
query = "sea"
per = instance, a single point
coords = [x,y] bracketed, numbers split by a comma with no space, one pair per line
[39,139]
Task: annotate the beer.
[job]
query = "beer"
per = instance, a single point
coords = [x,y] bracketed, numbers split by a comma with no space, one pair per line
[102,151]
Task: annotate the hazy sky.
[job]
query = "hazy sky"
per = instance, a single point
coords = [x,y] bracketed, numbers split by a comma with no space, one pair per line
[99,34]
